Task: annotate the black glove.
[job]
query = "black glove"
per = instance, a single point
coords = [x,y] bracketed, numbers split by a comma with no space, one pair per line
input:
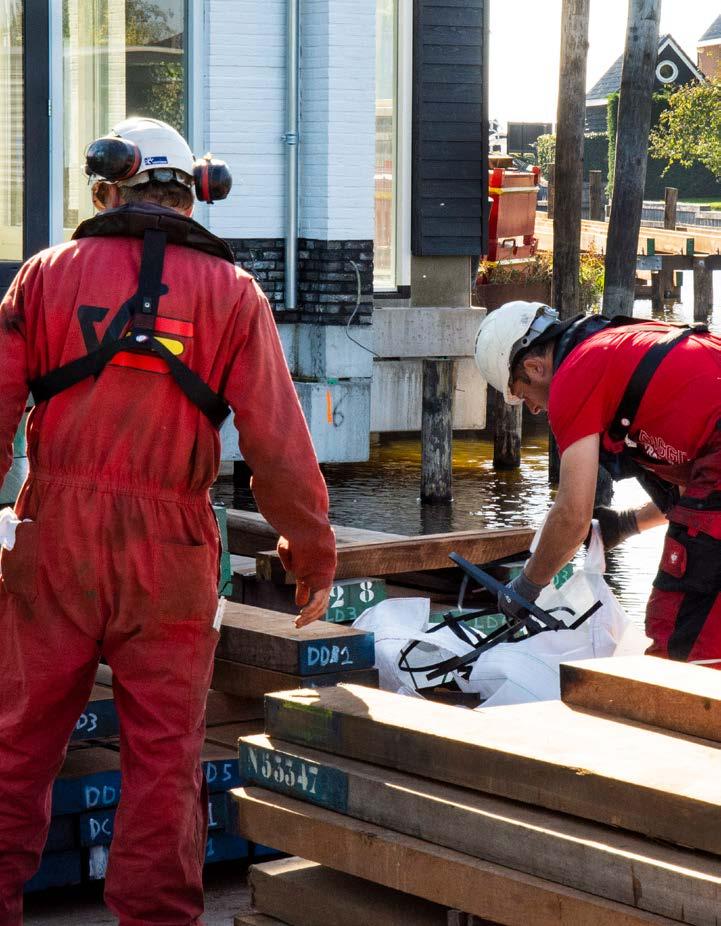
[616,526]
[522,586]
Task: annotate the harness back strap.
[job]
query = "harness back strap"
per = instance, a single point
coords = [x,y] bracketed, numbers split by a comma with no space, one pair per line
[642,376]
[141,310]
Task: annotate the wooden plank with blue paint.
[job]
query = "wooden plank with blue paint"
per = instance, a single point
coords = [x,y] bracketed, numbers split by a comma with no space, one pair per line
[223,847]
[99,719]
[270,640]
[89,780]
[57,869]
[255,682]
[62,835]
[587,856]
[221,768]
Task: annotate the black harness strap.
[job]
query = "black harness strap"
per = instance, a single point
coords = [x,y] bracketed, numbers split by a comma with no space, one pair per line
[141,309]
[642,376]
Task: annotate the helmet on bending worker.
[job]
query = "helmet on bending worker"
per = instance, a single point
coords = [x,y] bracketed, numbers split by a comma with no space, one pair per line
[139,151]
[514,352]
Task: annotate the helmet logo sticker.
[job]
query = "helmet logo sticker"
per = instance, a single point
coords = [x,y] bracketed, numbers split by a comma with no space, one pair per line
[156,159]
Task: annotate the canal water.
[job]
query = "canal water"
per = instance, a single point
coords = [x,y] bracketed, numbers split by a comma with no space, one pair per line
[383,493]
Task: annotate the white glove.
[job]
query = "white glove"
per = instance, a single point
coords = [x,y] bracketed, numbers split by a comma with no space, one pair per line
[8,525]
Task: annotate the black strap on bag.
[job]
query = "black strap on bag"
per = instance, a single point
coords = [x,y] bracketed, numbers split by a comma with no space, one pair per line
[140,311]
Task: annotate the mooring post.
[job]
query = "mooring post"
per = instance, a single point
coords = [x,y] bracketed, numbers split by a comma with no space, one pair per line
[670,199]
[506,432]
[702,290]
[595,182]
[551,189]
[437,430]
[634,122]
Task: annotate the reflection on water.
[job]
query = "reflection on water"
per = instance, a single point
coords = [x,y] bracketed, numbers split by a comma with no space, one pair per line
[383,494]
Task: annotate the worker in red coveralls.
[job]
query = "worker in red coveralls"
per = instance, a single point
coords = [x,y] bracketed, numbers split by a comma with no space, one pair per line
[132,338]
[644,399]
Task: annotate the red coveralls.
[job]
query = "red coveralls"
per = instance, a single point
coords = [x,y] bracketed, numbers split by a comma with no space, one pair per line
[120,558]
[679,425]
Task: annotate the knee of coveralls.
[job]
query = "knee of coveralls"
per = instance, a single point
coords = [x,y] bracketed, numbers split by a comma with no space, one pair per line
[162,670]
[683,616]
[48,657]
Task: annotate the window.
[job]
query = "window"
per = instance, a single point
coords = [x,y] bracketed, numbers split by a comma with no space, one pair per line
[11,129]
[120,58]
[667,72]
[386,128]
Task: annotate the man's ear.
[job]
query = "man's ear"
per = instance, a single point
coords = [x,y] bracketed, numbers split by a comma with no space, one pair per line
[534,368]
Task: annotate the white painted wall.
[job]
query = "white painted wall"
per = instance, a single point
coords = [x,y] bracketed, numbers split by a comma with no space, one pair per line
[337,141]
[245,113]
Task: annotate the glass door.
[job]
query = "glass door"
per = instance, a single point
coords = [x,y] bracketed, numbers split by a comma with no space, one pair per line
[386,130]
[11,135]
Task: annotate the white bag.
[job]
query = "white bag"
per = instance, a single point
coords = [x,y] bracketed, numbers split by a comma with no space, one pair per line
[395,623]
[528,670]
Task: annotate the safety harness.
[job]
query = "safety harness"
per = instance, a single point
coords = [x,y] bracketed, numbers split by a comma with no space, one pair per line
[133,328]
[621,456]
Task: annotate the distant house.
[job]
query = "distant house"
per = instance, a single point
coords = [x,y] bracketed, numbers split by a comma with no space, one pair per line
[709,50]
[673,66]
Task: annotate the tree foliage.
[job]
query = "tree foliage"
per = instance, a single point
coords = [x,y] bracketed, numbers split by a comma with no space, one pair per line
[546,152]
[689,129]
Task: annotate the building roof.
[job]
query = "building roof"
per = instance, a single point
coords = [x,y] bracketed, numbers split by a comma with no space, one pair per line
[713,33]
[611,80]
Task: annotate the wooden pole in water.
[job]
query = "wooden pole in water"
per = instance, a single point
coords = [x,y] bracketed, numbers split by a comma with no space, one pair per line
[437,430]
[670,200]
[595,182]
[634,121]
[507,432]
[702,290]
[571,117]
[551,189]
[569,157]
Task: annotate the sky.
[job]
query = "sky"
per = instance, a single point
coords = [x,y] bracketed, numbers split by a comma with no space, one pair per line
[525,48]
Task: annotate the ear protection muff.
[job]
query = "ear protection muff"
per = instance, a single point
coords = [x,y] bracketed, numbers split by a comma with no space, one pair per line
[213,179]
[112,158]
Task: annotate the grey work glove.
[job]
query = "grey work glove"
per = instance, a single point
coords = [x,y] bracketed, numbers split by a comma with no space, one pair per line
[616,526]
[524,587]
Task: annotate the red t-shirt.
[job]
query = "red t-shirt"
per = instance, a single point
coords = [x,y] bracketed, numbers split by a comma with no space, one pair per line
[678,411]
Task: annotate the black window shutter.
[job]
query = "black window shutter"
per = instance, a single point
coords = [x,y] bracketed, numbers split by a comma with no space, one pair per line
[450,128]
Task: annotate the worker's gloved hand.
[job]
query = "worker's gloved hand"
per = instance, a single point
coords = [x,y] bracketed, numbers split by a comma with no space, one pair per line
[522,586]
[616,526]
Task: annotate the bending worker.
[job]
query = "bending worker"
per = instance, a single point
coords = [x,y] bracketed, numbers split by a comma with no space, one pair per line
[644,399]
[136,339]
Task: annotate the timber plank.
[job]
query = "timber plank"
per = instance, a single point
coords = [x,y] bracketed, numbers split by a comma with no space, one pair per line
[224,708]
[256,919]
[672,695]
[430,551]
[99,719]
[228,734]
[255,682]
[441,875]
[586,856]
[303,893]
[271,640]
[543,753]
[249,533]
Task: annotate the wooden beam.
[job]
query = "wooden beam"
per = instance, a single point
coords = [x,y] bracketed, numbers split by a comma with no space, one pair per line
[586,856]
[300,893]
[672,695]
[417,553]
[570,121]
[544,753]
[229,734]
[439,384]
[634,121]
[249,533]
[403,863]
[222,708]
[271,640]
[253,682]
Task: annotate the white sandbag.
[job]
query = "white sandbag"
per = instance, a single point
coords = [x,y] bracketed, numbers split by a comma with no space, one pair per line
[395,623]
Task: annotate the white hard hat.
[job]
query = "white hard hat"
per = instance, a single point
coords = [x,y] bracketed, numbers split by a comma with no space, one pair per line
[503,333]
[161,148]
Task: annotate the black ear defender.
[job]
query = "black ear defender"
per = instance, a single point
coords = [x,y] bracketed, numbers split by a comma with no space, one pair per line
[112,158]
[213,180]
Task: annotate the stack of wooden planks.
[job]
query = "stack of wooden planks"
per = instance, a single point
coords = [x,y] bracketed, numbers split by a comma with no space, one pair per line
[601,808]
[261,651]
[86,794]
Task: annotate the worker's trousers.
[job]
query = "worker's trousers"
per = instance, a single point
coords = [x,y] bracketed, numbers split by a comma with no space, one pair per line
[683,617]
[129,575]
